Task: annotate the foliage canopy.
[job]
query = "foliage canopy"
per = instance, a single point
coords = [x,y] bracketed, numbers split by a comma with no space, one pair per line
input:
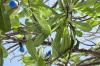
[68,20]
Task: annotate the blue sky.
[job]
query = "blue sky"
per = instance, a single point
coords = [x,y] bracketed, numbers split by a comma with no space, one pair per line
[14,62]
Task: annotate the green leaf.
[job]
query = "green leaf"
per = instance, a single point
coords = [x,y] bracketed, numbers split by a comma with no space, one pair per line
[5,53]
[65,43]
[93,23]
[75,58]
[41,62]
[61,4]
[28,60]
[43,23]
[56,43]
[56,22]
[41,50]
[31,45]
[46,12]
[37,2]
[83,26]
[79,33]
[31,49]
[14,21]
[4,20]
[28,22]
[87,7]
[26,1]
[1,56]
[54,53]
[39,39]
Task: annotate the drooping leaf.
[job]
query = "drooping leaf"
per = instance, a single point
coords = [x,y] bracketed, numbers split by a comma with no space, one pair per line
[65,43]
[56,43]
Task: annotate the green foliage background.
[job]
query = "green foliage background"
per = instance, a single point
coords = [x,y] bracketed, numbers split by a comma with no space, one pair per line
[42,20]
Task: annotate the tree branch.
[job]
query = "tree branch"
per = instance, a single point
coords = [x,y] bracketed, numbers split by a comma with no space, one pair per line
[89,64]
[80,17]
[85,60]
[55,4]
[12,46]
[95,53]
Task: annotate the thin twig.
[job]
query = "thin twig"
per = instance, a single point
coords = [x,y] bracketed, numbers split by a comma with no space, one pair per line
[85,60]
[98,29]
[12,47]
[89,64]
[91,41]
[95,53]
[55,4]
[85,44]
[80,17]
